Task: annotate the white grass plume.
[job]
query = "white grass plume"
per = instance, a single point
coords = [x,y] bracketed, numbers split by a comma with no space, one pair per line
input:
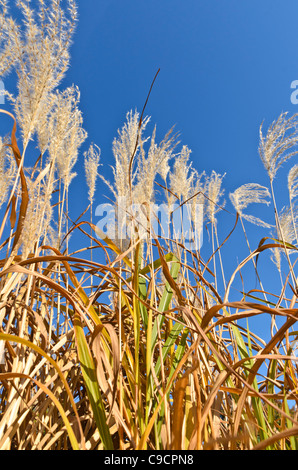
[278,144]
[42,51]
[9,40]
[183,176]
[251,193]
[92,157]
[38,217]
[123,148]
[68,134]
[285,232]
[293,182]
[147,165]
[186,199]
[152,163]
[293,193]
[287,225]
[8,170]
[214,193]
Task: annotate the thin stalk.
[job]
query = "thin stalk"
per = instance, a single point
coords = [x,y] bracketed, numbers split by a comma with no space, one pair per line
[91,246]
[213,251]
[121,391]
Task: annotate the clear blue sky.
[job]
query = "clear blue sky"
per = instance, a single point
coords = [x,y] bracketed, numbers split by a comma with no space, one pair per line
[226,65]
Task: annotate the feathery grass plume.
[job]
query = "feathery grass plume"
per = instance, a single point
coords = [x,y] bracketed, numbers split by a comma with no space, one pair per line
[293,193]
[276,258]
[183,176]
[165,154]
[8,170]
[123,148]
[284,231]
[51,126]
[9,39]
[148,164]
[69,135]
[92,157]
[197,197]
[277,145]
[251,193]
[293,182]
[152,163]
[214,193]
[65,148]
[38,218]
[276,148]
[186,201]
[43,59]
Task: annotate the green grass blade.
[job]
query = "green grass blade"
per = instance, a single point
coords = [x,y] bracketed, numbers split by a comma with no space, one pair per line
[91,383]
[165,300]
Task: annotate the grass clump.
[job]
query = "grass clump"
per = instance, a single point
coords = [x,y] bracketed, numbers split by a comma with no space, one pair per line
[152,347]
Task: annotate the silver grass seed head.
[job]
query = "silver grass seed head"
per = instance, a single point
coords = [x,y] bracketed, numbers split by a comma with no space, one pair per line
[286,231]
[198,198]
[64,149]
[293,182]
[183,176]
[276,258]
[147,164]
[214,193]
[278,144]
[38,217]
[92,157]
[159,155]
[150,164]
[251,193]
[287,222]
[8,170]
[9,39]
[42,49]
[123,148]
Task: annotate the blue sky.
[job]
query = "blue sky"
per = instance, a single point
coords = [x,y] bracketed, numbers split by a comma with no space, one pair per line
[225,66]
